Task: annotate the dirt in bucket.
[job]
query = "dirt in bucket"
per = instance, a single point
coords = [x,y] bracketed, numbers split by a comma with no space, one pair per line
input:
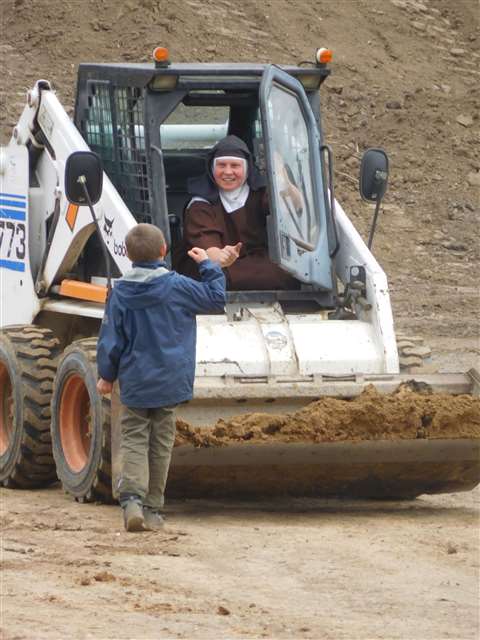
[405,414]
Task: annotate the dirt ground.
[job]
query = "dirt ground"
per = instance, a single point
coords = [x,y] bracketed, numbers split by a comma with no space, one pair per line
[405,77]
[285,569]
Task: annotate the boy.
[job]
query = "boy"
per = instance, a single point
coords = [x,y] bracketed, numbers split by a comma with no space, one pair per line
[147,340]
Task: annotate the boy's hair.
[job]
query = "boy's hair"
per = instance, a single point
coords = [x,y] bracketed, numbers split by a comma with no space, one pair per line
[145,243]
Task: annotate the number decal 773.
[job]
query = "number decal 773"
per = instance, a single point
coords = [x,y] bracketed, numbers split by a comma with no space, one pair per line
[13,237]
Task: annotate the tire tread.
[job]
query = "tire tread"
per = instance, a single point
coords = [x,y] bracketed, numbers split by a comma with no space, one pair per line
[36,350]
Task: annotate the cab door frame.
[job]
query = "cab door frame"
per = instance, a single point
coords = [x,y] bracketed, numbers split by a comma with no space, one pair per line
[307,259]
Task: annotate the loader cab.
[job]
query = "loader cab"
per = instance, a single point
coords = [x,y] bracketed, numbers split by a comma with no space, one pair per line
[153,128]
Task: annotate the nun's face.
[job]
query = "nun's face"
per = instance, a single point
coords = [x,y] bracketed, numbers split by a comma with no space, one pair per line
[229,173]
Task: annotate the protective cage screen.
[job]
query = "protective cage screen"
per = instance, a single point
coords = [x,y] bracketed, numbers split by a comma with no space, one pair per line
[114,128]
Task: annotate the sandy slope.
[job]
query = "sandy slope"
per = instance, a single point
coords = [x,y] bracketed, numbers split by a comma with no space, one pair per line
[405,78]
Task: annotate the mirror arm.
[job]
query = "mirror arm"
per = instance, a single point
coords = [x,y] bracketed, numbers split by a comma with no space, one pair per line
[82,180]
[380,179]
[374,223]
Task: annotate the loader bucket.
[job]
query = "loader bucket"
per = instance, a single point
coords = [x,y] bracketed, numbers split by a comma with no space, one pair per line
[357,440]
[365,469]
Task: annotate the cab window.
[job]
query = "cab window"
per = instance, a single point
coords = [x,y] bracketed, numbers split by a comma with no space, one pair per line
[189,128]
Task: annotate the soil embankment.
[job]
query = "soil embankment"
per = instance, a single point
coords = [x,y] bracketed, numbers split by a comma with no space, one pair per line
[405,78]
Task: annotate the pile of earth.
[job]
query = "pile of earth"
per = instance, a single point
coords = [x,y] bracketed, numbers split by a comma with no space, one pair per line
[405,77]
[406,414]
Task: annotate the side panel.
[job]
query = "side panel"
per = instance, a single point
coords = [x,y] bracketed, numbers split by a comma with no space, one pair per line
[354,252]
[42,200]
[267,344]
[18,301]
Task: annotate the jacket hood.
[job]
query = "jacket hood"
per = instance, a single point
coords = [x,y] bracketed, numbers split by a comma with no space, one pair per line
[145,285]
[204,186]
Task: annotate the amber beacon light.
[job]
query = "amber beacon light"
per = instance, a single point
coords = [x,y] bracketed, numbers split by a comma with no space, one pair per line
[323,55]
[161,56]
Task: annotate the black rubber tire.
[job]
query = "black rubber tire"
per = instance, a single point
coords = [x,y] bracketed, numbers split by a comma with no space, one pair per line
[81,425]
[28,356]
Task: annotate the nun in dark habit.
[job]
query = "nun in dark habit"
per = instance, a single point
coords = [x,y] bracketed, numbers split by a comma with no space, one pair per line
[227,217]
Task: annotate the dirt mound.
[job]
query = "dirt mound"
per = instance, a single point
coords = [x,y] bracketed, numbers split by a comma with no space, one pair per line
[370,416]
[405,78]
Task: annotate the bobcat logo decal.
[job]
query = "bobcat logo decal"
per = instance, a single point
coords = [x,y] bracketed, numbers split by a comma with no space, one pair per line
[107,227]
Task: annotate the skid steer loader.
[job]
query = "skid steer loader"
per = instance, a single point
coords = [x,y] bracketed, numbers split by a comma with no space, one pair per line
[271,351]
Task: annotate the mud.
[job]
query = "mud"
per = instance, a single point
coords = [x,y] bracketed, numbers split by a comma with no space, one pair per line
[405,414]
[284,570]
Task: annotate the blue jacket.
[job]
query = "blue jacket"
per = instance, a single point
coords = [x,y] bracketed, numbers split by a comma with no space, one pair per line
[148,334]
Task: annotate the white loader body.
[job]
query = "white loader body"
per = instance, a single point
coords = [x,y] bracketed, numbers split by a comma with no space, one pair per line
[250,342]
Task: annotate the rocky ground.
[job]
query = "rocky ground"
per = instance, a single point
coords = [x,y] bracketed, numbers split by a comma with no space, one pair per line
[405,77]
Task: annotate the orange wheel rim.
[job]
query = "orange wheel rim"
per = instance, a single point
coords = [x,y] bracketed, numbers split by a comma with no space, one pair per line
[75,423]
[6,409]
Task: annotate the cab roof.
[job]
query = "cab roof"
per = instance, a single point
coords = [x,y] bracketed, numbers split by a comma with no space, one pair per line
[141,74]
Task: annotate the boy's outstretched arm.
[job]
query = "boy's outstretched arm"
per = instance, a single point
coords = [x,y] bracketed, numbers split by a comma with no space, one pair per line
[208,295]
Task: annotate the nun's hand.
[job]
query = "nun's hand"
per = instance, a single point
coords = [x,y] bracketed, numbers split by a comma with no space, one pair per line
[226,256]
[229,254]
[297,199]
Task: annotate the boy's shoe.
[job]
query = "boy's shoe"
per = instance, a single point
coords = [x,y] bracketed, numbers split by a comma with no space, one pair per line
[154,521]
[133,516]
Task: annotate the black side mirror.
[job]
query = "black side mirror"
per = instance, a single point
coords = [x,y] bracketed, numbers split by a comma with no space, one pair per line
[373,182]
[83,186]
[373,175]
[83,168]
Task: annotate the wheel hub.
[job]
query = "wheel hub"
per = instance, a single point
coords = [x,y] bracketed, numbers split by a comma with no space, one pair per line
[75,423]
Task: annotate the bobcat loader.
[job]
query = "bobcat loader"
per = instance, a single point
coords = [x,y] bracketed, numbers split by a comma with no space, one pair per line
[270,351]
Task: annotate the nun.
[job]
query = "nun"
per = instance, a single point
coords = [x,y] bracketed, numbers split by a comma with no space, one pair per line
[226,216]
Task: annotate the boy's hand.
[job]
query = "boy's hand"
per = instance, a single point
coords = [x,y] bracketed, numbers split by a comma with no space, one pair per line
[197,254]
[104,387]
